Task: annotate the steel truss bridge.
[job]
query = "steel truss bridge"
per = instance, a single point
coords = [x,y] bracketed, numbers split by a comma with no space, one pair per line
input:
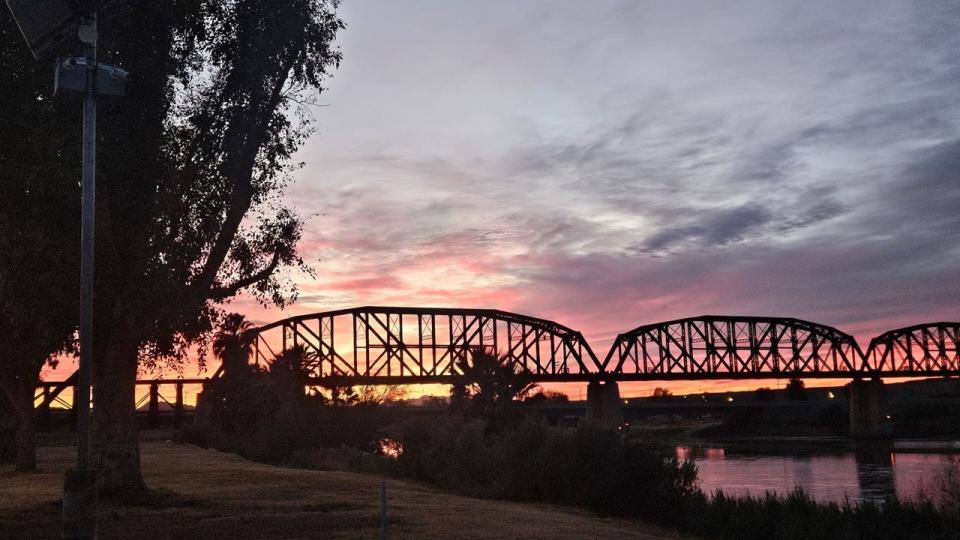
[402,345]
[398,345]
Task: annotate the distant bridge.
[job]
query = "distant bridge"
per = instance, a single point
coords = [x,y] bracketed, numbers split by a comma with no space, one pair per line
[400,345]
[404,345]
[924,349]
[723,347]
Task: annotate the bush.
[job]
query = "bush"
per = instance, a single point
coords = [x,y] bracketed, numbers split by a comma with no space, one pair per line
[798,517]
[620,474]
[610,472]
[265,416]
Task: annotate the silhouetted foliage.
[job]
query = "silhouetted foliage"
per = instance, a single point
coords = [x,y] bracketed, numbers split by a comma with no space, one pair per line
[191,166]
[265,414]
[661,394]
[232,343]
[39,227]
[764,394]
[341,396]
[796,390]
[622,474]
[547,396]
[489,388]
[605,470]
[798,517]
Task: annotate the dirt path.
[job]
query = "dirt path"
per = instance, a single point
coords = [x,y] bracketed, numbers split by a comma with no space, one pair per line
[207,494]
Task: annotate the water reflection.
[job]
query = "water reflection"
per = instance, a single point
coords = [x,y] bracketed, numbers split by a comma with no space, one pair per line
[875,476]
[871,471]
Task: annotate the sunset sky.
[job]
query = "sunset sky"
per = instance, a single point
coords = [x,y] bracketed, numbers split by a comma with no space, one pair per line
[607,164]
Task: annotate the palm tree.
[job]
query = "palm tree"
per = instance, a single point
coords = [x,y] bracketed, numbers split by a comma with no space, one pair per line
[290,369]
[233,343]
[489,385]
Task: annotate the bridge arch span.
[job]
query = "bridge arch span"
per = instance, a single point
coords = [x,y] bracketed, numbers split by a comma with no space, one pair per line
[929,349]
[733,347]
[406,345]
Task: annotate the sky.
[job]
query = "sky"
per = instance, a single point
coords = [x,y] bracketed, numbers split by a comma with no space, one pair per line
[608,164]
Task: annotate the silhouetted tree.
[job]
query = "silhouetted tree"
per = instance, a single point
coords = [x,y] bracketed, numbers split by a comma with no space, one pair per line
[796,390]
[191,164]
[380,394]
[39,228]
[290,370]
[488,387]
[232,343]
[544,396]
[340,396]
[764,394]
[252,398]
[661,394]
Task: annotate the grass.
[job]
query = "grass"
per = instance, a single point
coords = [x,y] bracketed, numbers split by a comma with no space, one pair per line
[199,493]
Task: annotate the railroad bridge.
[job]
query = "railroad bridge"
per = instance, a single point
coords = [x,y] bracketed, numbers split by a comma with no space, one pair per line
[405,345]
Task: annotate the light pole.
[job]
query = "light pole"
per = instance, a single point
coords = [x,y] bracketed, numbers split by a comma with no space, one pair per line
[80,485]
[45,23]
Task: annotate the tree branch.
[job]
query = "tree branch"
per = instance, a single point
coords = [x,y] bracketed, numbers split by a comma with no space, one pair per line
[219,293]
[239,165]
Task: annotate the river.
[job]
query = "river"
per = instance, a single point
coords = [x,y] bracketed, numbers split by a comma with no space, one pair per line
[827,470]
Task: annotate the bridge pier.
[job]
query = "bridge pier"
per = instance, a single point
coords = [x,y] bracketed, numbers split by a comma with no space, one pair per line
[153,416]
[178,407]
[603,403]
[866,408]
[74,408]
[43,411]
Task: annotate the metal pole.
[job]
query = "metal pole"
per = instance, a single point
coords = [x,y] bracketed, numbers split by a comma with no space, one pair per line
[80,485]
[86,248]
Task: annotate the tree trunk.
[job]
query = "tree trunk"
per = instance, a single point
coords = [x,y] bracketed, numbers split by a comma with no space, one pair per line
[26,425]
[115,444]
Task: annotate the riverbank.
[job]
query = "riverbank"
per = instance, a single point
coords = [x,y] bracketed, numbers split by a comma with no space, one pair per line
[201,493]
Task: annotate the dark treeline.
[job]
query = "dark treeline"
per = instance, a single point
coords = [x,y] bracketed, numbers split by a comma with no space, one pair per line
[490,444]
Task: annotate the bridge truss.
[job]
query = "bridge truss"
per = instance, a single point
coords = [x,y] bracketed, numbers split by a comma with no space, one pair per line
[398,345]
[729,347]
[402,345]
[921,350]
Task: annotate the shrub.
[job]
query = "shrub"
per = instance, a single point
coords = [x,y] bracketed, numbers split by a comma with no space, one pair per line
[605,470]
[798,517]
[266,416]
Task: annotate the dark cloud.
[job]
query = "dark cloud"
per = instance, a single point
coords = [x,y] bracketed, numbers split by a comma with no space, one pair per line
[711,229]
[930,189]
[605,164]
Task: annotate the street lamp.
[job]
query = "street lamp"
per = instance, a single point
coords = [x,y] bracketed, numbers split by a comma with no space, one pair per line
[44,24]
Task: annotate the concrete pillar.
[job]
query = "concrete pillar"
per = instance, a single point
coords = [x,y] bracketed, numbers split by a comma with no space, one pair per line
[74,409]
[178,407]
[603,403]
[866,408]
[43,415]
[153,416]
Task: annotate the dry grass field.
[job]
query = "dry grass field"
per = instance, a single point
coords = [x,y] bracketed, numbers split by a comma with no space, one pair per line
[199,493]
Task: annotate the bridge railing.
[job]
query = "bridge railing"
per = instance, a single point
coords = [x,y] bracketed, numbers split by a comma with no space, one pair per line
[162,397]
